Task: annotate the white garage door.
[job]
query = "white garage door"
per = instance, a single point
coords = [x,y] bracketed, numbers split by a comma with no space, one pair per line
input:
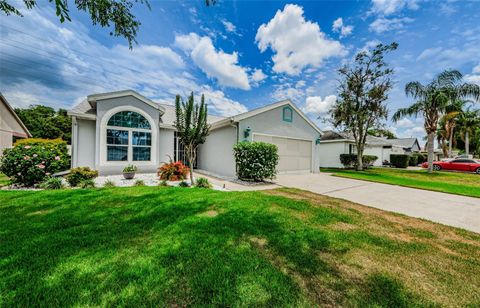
[295,154]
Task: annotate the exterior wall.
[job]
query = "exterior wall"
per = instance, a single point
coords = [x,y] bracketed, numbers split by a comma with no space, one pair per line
[166,139]
[105,109]
[6,139]
[330,154]
[378,151]
[8,126]
[84,146]
[216,154]
[271,123]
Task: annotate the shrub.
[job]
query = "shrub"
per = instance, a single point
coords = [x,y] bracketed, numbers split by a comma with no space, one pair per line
[421,158]
[30,161]
[52,183]
[130,168]
[163,183]
[139,183]
[255,160]
[202,183]
[109,184]
[173,171]
[87,183]
[413,160]
[183,184]
[399,160]
[80,174]
[350,160]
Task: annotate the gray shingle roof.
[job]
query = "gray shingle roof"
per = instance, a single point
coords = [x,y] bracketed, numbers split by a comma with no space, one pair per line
[371,140]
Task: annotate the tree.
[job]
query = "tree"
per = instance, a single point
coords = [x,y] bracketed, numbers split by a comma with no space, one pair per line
[433,100]
[363,91]
[381,132]
[467,123]
[45,122]
[191,125]
[102,12]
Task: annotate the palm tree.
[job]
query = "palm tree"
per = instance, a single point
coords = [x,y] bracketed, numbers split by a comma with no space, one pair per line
[432,101]
[467,122]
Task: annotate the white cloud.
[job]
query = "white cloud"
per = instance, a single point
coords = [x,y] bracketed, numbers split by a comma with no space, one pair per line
[258,75]
[476,69]
[344,30]
[317,105]
[474,77]
[405,122]
[382,24]
[389,7]
[417,131]
[216,64]
[296,42]
[229,27]
[221,104]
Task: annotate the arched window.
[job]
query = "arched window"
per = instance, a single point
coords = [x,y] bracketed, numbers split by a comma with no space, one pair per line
[129,137]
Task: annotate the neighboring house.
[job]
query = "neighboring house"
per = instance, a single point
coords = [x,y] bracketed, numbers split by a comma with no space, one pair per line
[410,145]
[11,127]
[332,144]
[112,130]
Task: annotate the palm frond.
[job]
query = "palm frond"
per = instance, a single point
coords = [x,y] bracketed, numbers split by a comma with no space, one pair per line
[413,110]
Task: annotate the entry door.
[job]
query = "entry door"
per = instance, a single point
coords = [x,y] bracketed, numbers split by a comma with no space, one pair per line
[295,155]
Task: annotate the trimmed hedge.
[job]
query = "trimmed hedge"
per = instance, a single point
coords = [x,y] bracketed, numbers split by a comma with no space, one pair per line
[350,160]
[399,160]
[413,160]
[30,161]
[256,161]
[421,158]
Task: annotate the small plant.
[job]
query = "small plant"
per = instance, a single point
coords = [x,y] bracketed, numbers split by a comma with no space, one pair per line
[139,183]
[399,160]
[87,183]
[163,183]
[130,168]
[183,184]
[413,160]
[109,184]
[255,160]
[52,183]
[173,171]
[80,174]
[203,183]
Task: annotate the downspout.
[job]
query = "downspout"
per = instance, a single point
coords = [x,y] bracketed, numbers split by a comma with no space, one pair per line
[73,161]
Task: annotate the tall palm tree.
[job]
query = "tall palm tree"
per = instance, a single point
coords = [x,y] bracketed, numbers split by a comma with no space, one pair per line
[432,101]
[467,122]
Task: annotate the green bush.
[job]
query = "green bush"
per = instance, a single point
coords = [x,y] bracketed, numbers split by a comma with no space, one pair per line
[421,158]
[256,160]
[413,160]
[80,174]
[30,161]
[130,168]
[350,160]
[52,183]
[139,183]
[183,184]
[203,183]
[87,183]
[163,183]
[399,160]
[109,184]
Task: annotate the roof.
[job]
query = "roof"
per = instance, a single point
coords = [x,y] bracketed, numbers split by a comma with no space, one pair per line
[404,142]
[263,109]
[4,100]
[332,136]
[92,99]
[169,117]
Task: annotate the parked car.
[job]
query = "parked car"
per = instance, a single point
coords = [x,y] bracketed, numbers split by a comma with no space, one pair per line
[461,164]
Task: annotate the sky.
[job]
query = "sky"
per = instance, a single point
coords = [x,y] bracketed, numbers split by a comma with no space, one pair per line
[240,54]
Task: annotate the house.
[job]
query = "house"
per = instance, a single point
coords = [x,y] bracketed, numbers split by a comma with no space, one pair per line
[11,127]
[410,145]
[332,144]
[112,130]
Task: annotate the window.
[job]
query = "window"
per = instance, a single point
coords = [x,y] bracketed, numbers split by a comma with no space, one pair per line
[287,114]
[463,161]
[129,137]
[179,151]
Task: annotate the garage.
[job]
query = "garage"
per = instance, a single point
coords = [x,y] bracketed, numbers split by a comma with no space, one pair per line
[295,155]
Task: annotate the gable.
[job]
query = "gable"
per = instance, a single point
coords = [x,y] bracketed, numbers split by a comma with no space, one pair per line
[9,121]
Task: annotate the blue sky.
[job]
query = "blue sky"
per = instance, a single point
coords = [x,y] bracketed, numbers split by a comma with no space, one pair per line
[240,54]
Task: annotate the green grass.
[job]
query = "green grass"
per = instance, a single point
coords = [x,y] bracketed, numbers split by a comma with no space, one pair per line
[448,182]
[4,180]
[164,246]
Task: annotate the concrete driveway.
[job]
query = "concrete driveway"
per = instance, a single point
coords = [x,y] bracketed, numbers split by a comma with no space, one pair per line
[453,210]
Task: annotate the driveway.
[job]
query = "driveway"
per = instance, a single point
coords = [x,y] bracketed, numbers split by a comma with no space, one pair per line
[453,210]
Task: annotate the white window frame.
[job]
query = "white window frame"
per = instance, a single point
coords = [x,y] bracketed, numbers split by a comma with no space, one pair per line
[103,138]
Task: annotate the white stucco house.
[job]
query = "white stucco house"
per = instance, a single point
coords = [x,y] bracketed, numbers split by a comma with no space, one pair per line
[11,126]
[111,130]
[332,144]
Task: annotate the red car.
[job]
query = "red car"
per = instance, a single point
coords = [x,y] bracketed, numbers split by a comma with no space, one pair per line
[460,164]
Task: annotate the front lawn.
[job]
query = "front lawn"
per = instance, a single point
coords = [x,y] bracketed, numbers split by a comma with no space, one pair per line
[449,182]
[153,246]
